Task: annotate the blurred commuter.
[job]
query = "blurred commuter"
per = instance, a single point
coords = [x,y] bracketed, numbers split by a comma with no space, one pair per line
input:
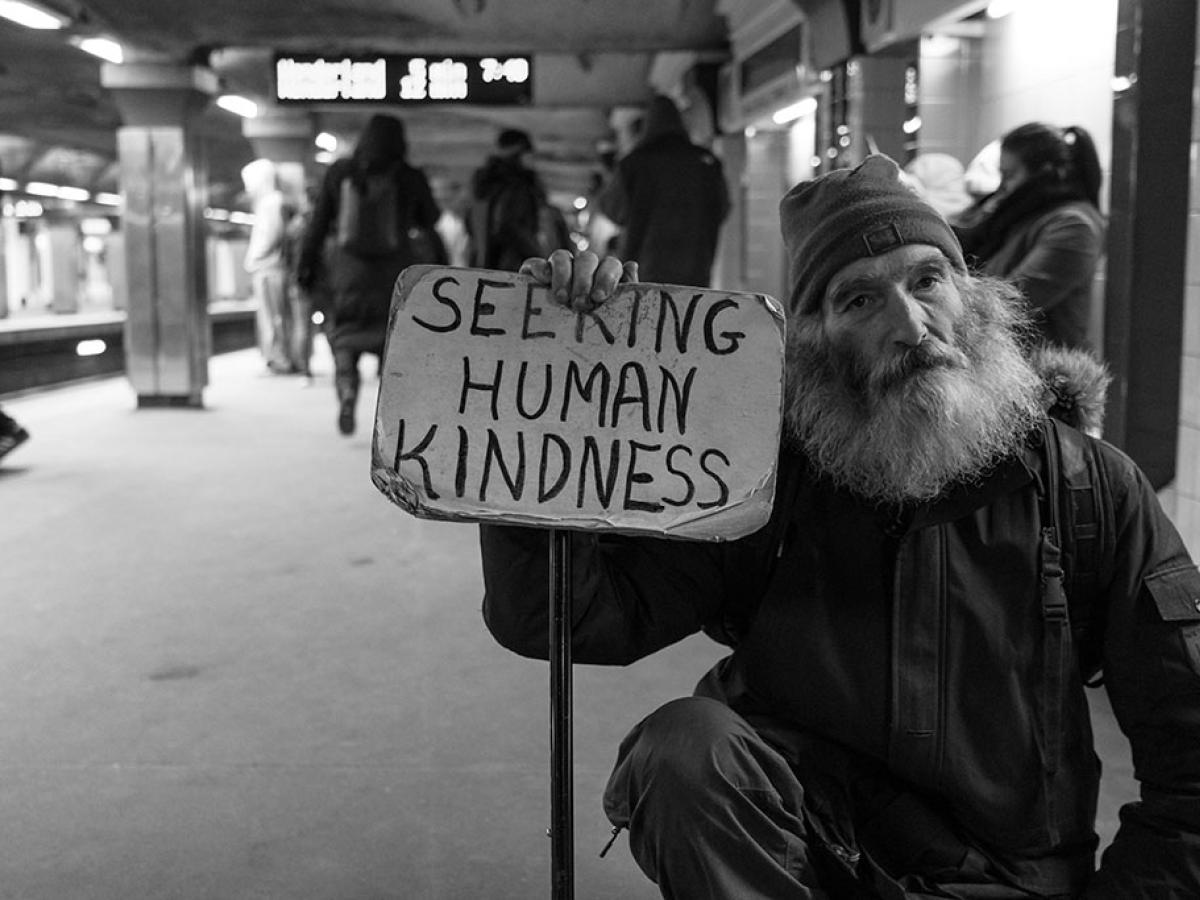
[511,218]
[669,197]
[265,263]
[377,207]
[12,435]
[300,303]
[1043,228]
[940,179]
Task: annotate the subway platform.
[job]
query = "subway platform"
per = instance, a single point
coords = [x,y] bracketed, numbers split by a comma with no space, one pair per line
[232,670]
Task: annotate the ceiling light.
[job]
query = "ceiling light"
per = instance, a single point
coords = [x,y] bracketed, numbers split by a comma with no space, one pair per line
[326,142]
[41,189]
[7,184]
[805,107]
[73,193]
[108,50]
[33,15]
[998,9]
[240,106]
[107,199]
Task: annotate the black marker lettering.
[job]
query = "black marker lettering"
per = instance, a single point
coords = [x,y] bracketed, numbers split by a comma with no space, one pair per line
[632,477]
[581,317]
[687,479]
[604,487]
[623,396]
[722,488]
[682,398]
[733,338]
[682,329]
[530,312]
[521,392]
[585,389]
[485,309]
[469,385]
[446,301]
[516,485]
[415,453]
[564,450]
[460,466]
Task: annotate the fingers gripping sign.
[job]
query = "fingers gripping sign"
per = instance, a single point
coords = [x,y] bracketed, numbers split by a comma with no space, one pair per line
[582,281]
[570,396]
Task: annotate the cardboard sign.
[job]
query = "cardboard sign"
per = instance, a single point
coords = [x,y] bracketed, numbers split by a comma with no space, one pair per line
[657,413]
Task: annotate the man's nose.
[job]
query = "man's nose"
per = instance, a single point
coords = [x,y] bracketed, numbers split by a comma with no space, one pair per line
[908,318]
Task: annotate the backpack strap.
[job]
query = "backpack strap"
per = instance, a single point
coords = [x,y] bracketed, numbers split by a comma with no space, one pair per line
[1074,510]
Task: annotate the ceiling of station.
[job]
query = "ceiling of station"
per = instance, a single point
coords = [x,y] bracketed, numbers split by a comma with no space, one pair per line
[58,124]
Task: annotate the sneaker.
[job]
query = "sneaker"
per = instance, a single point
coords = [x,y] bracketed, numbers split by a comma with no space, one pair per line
[11,440]
[346,417]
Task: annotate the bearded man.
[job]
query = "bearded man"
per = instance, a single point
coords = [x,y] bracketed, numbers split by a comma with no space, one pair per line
[903,713]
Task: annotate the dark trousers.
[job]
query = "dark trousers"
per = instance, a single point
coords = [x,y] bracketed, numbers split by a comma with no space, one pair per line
[716,812]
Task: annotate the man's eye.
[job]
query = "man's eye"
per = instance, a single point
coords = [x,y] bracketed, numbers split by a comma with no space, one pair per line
[858,301]
[925,282]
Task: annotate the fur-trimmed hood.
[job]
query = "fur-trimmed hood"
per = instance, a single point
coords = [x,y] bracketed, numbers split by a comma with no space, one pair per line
[1075,385]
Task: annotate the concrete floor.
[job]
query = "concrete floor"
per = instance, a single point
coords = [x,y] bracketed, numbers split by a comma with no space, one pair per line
[232,670]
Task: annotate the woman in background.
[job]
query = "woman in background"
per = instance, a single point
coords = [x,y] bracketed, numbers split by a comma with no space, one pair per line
[1043,228]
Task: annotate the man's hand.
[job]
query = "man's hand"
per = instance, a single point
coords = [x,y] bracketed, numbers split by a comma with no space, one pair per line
[581,281]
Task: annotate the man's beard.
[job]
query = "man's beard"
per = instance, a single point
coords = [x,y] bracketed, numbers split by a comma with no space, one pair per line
[906,428]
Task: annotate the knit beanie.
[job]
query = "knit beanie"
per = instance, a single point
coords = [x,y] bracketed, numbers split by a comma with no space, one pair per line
[848,215]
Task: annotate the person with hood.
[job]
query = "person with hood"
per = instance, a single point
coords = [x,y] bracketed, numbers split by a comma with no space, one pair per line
[669,197]
[374,201]
[265,263]
[510,218]
[946,568]
[1043,229]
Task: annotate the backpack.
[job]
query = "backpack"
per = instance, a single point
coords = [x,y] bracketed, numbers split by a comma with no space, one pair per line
[368,220]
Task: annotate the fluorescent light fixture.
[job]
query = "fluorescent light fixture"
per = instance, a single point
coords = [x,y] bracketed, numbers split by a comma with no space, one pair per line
[33,15]
[241,218]
[326,142]
[912,126]
[90,347]
[323,157]
[580,203]
[106,199]
[998,9]
[95,226]
[805,107]
[73,193]
[108,50]
[41,189]
[7,184]
[217,215]
[239,106]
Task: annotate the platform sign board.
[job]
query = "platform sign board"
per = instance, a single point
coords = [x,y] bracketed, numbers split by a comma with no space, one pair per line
[375,78]
[657,413]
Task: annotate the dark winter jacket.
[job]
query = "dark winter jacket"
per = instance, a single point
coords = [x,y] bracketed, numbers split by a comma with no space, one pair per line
[361,287]
[920,639]
[505,217]
[1049,240]
[670,198]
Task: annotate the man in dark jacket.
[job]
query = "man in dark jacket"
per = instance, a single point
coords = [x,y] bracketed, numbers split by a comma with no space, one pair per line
[361,278]
[509,215]
[903,713]
[670,198]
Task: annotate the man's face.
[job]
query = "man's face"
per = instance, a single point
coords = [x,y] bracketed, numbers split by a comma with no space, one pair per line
[910,377]
[887,317]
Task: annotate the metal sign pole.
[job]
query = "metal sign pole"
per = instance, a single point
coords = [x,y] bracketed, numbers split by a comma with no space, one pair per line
[562,842]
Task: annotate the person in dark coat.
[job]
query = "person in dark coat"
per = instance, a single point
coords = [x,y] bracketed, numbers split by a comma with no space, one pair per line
[510,219]
[903,714]
[669,197]
[1043,229]
[361,285]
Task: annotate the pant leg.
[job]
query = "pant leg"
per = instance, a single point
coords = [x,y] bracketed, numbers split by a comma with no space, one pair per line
[714,813]
[345,371]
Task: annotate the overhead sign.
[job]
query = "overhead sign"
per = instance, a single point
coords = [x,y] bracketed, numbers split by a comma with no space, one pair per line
[657,413]
[386,78]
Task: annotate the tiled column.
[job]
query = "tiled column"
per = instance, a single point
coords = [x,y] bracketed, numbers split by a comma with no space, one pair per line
[163,184]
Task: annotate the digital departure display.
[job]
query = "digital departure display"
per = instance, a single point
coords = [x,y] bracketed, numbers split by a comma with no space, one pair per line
[385,78]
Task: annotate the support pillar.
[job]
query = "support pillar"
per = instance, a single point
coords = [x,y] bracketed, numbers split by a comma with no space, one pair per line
[62,279]
[164,184]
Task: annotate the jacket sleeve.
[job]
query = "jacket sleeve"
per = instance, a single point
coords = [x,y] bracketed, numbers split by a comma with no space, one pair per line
[613,200]
[1063,257]
[631,595]
[426,210]
[1152,670]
